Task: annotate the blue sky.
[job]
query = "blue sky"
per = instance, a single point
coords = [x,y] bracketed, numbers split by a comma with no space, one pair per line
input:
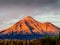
[10,12]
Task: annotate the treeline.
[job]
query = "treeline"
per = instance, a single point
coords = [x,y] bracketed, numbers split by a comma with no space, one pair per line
[47,40]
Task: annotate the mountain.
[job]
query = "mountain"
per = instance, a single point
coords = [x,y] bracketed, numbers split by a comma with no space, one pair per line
[28,27]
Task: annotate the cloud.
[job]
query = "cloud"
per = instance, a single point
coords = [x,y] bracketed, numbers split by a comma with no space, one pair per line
[49,18]
[7,23]
[28,1]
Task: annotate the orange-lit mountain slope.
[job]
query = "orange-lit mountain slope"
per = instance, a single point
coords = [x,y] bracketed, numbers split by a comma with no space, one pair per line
[29,26]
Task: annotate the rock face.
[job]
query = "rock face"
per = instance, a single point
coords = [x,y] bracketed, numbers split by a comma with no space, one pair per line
[29,26]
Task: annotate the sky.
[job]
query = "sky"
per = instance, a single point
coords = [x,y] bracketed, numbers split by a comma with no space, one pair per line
[11,11]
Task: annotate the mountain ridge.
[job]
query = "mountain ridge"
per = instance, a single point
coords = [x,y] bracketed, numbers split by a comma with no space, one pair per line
[29,26]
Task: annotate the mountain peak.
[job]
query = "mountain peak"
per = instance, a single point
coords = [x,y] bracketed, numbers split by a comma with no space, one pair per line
[28,18]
